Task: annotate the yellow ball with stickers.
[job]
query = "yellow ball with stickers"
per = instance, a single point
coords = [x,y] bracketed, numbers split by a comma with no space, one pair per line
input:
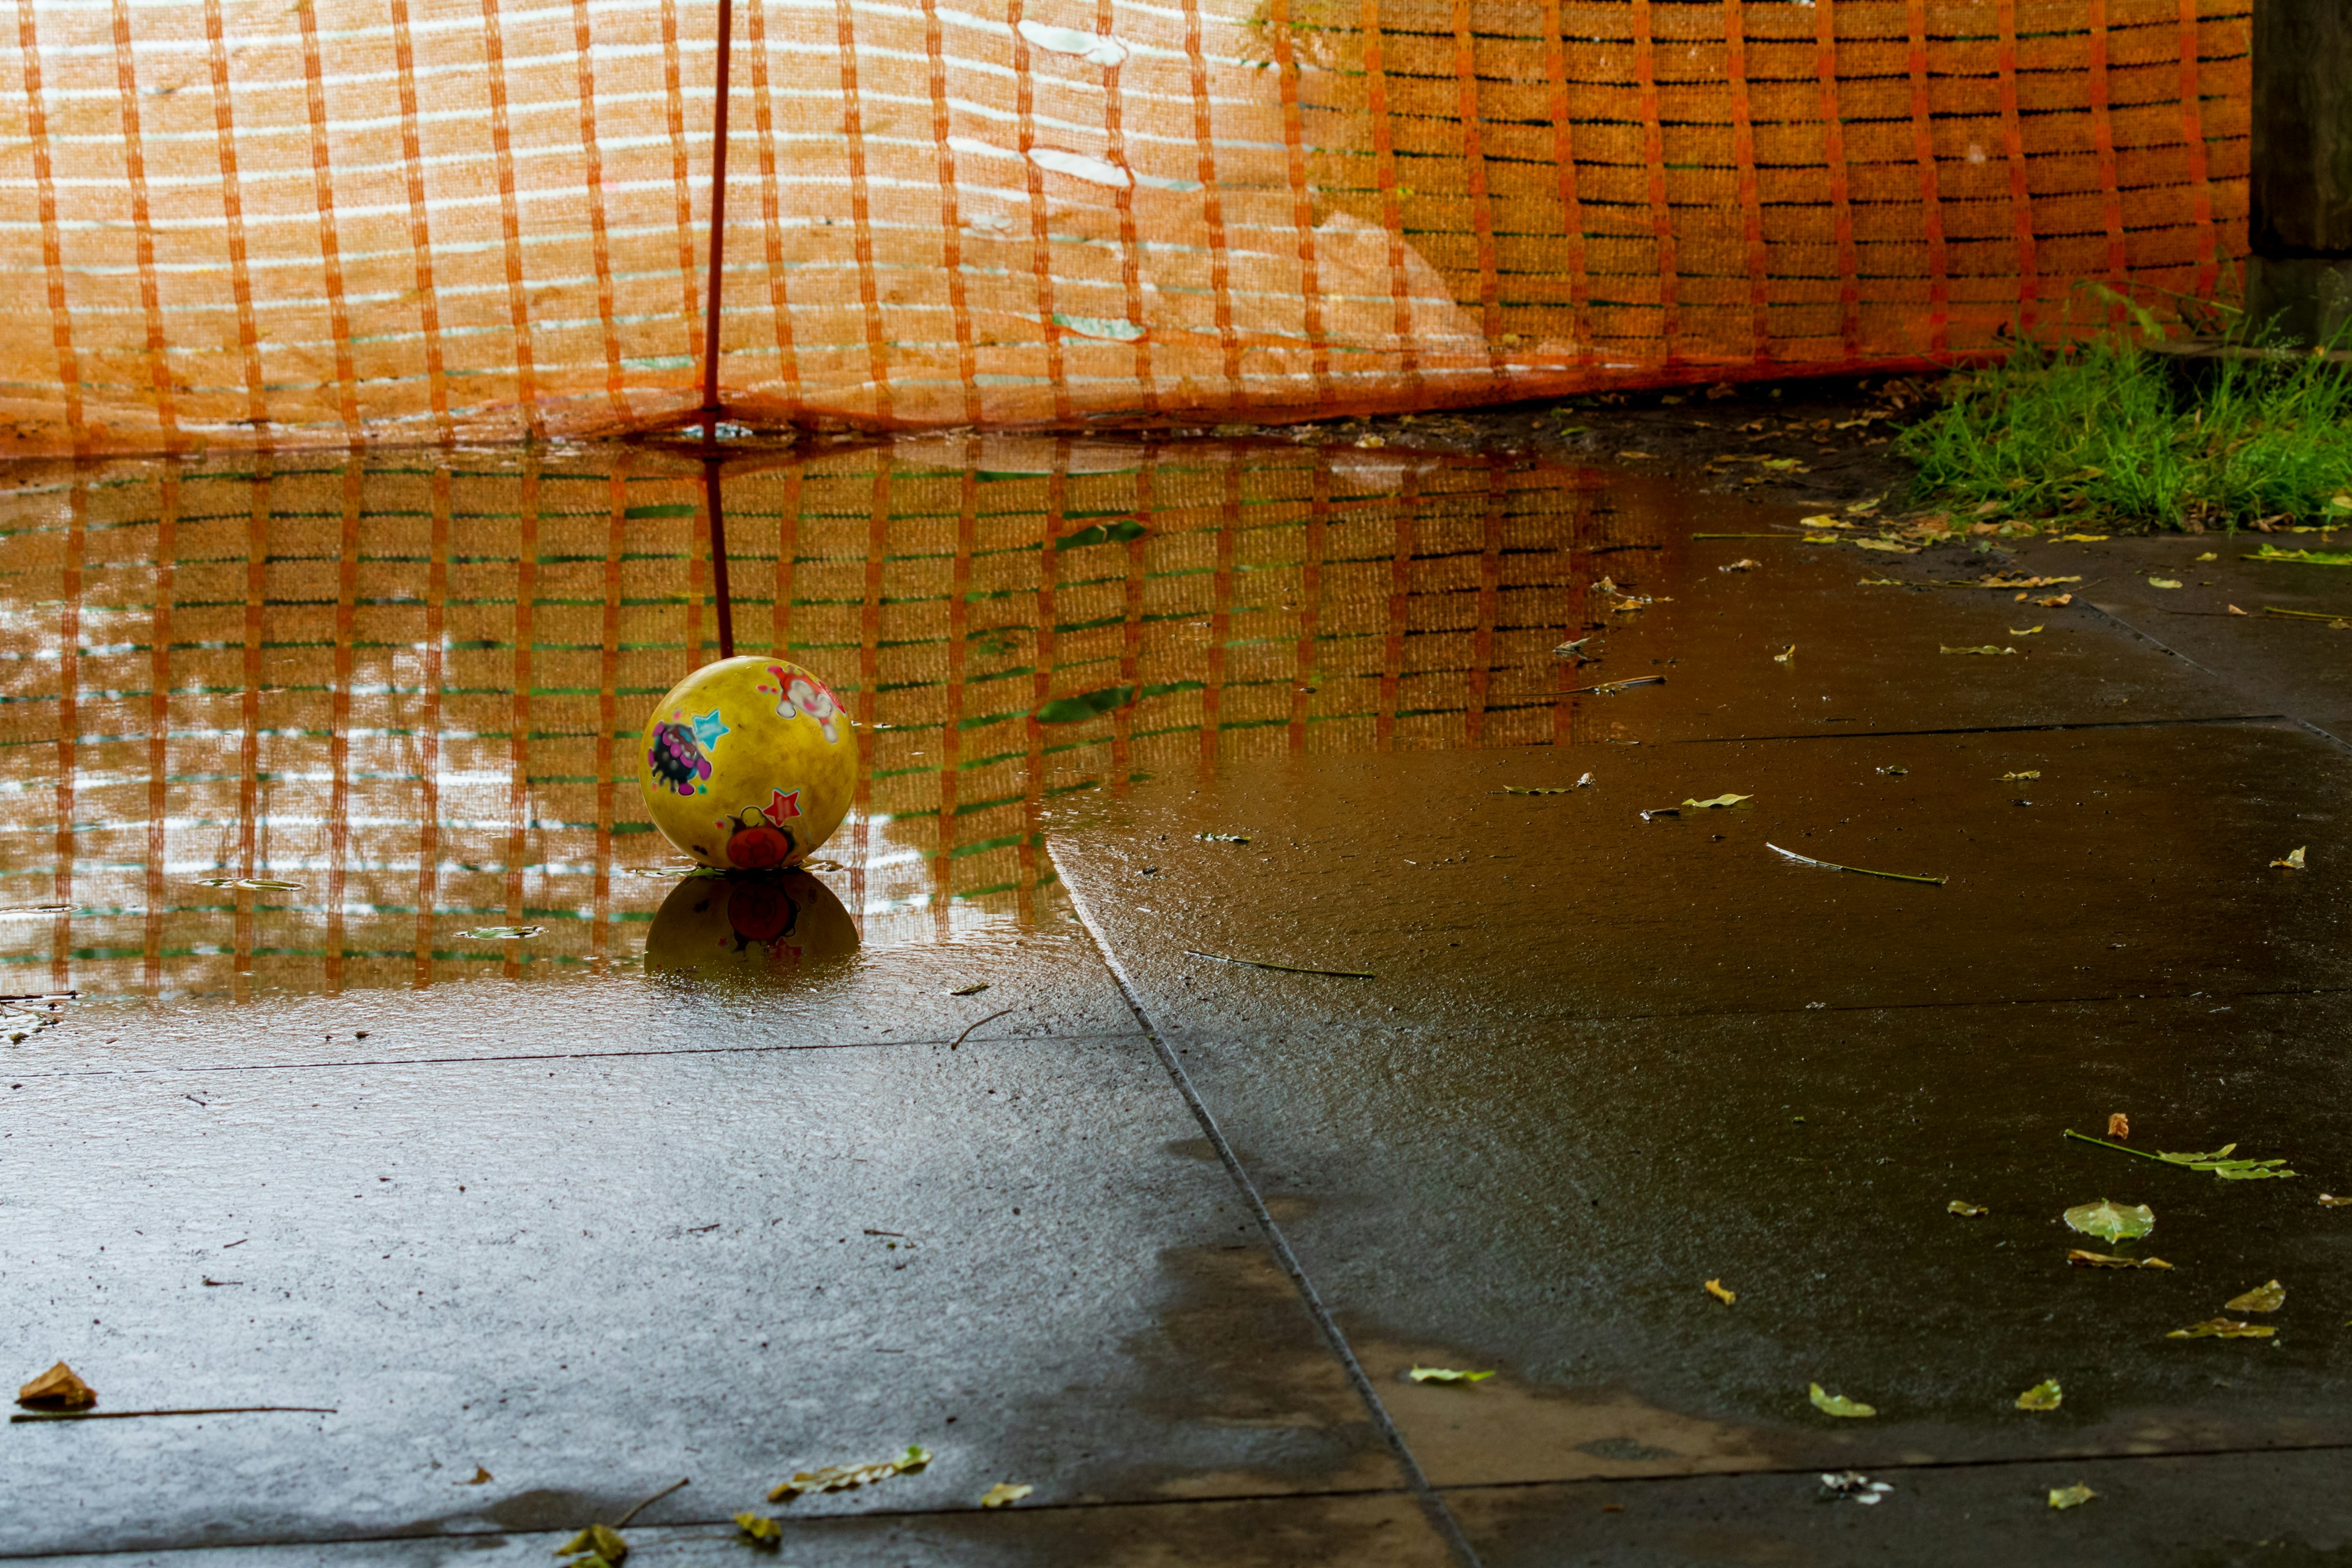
[748,765]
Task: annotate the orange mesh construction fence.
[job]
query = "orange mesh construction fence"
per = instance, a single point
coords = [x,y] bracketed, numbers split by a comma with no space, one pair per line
[343,221]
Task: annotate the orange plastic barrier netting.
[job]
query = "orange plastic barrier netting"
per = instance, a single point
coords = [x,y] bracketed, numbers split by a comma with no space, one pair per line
[411,220]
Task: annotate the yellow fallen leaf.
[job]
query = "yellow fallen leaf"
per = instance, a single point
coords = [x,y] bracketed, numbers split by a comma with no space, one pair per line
[2028,632]
[2291,860]
[2082,1259]
[842,1477]
[1714,1288]
[1745,564]
[2221,1329]
[2118,1125]
[2235,611]
[1004,1493]
[2083,538]
[2043,1395]
[2209,555]
[2016,778]
[1888,545]
[1838,1404]
[2267,1297]
[1987,648]
[2162,582]
[1720,800]
[1822,520]
[2330,1200]
[2074,1495]
[760,1528]
[480,1477]
[597,1544]
[1964,1210]
[2055,601]
[1635,457]
[57,1389]
[1785,654]
[1447,1375]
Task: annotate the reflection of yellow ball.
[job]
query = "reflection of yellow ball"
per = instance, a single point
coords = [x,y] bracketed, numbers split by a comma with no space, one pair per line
[747,763]
[749,926]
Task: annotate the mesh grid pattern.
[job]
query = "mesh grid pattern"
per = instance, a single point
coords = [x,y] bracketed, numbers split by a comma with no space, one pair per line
[341,221]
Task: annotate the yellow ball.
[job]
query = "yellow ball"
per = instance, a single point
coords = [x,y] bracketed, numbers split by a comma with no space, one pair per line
[748,764]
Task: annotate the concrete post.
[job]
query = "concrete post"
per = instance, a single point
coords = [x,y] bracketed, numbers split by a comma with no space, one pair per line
[2299,277]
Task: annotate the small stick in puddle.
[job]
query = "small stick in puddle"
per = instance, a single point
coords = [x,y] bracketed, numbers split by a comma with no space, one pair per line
[1833,866]
[127,1415]
[975,1023]
[1611,688]
[1282,968]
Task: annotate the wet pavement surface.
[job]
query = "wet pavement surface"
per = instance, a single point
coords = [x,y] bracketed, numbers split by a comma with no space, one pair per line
[979,1138]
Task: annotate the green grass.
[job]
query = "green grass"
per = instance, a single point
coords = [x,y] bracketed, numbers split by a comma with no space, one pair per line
[2102,434]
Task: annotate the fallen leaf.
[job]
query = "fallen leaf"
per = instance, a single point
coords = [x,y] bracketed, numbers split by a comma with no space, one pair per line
[971,990]
[2332,1201]
[759,1528]
[1571,650]
[2074,1495]
[2111,1221]
[1987,648]
[2083,538]
[1741,566]
[1786,465]
[1718,800]
[2220,1162]
[1635,456]
[1857,870]
[1838,1404]
[2162,582]
[2028,632]
[2303,557]
[502,933]
[2118,1125]
[1888,545]
[1786,655]
[2043,1395]
[2082,1259]
[1447,1375]
[1605,586]
[842,1477]
[1964,1210]
[1004,1493]
[1714,1288]
[2018,778]
[2011,580]
[57,1389]
[2209,555]
[2058,601]
[597,1544]
[1822,520]
[1548,789]
[1895,770]
[2267,1297]
[2222,1328]
[2235,611]
[1222,837]
[480,1477]
[2291,860]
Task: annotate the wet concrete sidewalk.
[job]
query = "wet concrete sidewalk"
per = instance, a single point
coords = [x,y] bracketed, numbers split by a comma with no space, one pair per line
[1027,1129]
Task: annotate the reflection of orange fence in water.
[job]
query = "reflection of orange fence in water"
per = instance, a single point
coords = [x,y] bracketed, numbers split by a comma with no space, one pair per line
[347,220]
[417,690]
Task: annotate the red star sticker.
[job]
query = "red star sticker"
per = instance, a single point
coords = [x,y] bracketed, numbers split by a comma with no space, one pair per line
[783,806]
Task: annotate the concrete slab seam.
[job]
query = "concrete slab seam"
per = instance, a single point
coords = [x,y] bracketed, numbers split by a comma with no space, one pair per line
[1432,1502]
[2153,640]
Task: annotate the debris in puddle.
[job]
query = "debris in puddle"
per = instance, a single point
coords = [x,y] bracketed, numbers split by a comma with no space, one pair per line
[1852,1486]
[2074,1495]
[1838,1404]
[1785,654]
[1988,648]
[2218,1161]
[1894,770]
[673,873]
[251,884]
[1721,800]
[1857,870]
[1656,811]
[2043,1395]
[2222,1328]
[976,1023]
[2017,778]
[758,1528]
[1571,650]
[842,1477]
[1280,968]
[2082,1259]
[1004,1494]
[1222,837]
[2329,1200]
[480,1477]
[1605,586]
[1447,1375]
[972,990]
[1717,1288]
[502,933]
[1611,688]
[13,911]
[2118,1124]
[1964,1210]
[2267,1297]
[57,1389]
[1741,565]
[1085,706]
[2111,1221]
[2291,860]
[1584,783]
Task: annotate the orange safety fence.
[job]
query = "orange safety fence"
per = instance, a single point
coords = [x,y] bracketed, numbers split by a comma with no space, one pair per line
[358,221]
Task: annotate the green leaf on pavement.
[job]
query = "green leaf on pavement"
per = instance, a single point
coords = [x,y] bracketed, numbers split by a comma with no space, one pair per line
[2082,1259]
[2112,1221]
[2222,1328]
[1004,1493]
[2074,1495]
[1718,800]
[1447,1375]
[1838,1404]
[2043,1395]
[2267,1297]
[1964,1210]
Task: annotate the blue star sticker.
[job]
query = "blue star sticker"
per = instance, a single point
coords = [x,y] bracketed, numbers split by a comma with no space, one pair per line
[707,729]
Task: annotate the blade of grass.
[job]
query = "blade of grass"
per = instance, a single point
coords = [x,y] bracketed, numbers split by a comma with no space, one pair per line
[1281,968]
[1833,866]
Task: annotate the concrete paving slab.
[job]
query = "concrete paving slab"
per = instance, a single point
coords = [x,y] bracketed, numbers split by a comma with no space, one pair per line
[590,1276]
[1362,1531]
[2297,662]
[2137,863]
[2230,1511]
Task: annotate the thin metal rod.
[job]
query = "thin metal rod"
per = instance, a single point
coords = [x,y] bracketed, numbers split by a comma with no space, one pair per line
[718,237]
[710,494]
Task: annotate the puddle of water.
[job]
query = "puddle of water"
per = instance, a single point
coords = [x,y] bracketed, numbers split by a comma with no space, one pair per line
[411,684]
